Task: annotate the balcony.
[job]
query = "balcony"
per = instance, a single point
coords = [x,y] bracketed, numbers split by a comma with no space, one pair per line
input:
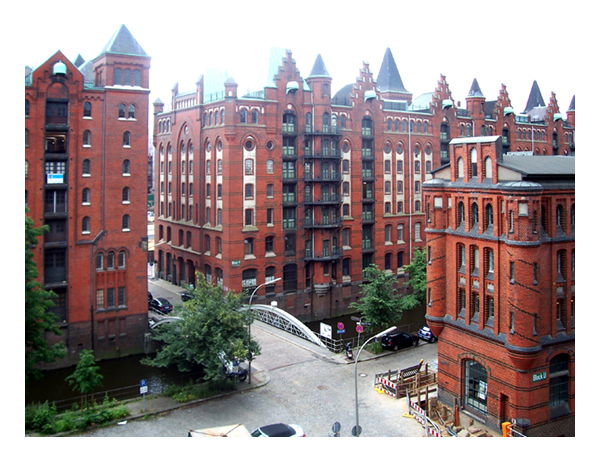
[323,176]
[324,222]
[326,199]
[325,255]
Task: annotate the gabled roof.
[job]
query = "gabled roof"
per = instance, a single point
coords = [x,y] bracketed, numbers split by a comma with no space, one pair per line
[389,77]
[535,98]
[122,42]
[475,91]
[319,69]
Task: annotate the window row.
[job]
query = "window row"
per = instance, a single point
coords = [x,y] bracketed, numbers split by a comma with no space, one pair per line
[213,118]
[417,126]
[86,167]
[111,298]
[111,260]
[86,196]
[86,227]
[87,139]
[126,111]
[124,77]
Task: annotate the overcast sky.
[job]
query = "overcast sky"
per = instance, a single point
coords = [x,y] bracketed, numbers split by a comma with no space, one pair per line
[509,42]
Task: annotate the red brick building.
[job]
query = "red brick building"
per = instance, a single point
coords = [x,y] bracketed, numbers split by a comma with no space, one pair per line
[501,284]
[298,183]
[86,147]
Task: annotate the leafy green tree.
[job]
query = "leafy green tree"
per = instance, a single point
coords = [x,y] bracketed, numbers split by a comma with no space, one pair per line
[86,377]
[38,318]
[379,302]
[417,270]
[211,323]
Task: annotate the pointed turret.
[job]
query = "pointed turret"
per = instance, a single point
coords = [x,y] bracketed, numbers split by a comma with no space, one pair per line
[476,101]
[389,81]
[122,42]
[475,91]
[319,69]
[535,98]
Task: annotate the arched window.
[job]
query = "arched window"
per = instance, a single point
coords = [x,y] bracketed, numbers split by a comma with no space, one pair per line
[99,261]
[474,215]
[326,122]
[127,77]
[87,109]
[475,386]
[460,168]
[125,169]
[110,260]
[125,195]
[121,111]
[243,116]
[87,138]
[137,78]
[488,167]
[125,222]
[85,196]
[560,217]
[85,167]
[559,384]
[121,260]
[118,77]
[85,225]
[460,217]
[131,112]
[489,216]
[126,139]
[254,116]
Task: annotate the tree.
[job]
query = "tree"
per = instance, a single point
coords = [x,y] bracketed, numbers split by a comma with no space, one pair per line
[86,377]
[379,302]
[211,323]
[38,318]
[417,281]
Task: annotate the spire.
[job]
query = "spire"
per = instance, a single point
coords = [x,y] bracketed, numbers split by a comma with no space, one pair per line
[535,98]
[389,77]
[319,69]
[122,42]
[572,105]
[475,91]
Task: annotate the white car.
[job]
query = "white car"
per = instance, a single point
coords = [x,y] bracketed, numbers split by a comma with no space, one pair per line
[426,334]
[278,429]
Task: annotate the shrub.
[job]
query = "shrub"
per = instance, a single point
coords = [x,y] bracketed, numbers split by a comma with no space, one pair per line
[43,419]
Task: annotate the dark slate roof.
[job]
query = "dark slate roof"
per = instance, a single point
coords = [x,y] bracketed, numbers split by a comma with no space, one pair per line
[535,98]
[342,97]
[122,42]
[319,69]
[572,105]
[389,77]
[531,166]
[79,61]
[475,91]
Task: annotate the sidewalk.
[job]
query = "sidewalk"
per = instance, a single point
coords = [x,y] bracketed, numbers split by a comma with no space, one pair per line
[158,404]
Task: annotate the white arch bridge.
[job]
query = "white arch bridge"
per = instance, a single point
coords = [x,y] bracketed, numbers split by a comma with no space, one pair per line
[270,315]
[283,320]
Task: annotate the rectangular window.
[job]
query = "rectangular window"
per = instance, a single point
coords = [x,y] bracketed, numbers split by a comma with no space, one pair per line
[122,296]
[110,298]
[269,216]
[100,299]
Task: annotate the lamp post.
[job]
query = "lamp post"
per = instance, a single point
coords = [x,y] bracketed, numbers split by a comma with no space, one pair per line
[249,324]
[381,334]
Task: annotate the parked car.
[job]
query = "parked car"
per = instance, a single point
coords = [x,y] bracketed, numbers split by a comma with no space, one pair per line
[398,340]
[278,429]
[185,296]
[162,305]
[426,334]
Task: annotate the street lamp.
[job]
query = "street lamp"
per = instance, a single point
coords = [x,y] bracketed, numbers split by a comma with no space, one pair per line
[381,334]
[249,324]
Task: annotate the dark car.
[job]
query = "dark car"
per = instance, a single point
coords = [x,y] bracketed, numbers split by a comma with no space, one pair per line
[278,429]
[426,334]
[162,305]
[185,296]
[398,340]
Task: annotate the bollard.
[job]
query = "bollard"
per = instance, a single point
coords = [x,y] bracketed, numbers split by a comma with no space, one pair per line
[505,429]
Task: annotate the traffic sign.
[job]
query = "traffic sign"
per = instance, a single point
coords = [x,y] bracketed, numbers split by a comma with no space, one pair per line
[143,387]
[340,325]
[355,432]
[359,328]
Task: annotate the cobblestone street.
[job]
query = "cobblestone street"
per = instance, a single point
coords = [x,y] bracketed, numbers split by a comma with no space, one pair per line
[307,386]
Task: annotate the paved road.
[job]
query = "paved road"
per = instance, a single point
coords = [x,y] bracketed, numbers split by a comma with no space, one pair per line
[308,386]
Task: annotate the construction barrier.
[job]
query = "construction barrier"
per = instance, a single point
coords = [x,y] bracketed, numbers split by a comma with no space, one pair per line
[421,416]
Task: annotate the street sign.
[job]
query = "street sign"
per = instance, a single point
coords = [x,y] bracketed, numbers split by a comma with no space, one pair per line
[356,433]
[340,325]
[359,328]
[326,330]
[341,331]
[354,318]
[143,386]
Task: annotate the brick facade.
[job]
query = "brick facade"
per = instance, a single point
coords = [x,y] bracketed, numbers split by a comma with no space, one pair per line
[91,133]
[501,282]
[333,181]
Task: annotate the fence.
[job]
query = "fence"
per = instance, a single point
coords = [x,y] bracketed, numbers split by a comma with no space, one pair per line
[339,345]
